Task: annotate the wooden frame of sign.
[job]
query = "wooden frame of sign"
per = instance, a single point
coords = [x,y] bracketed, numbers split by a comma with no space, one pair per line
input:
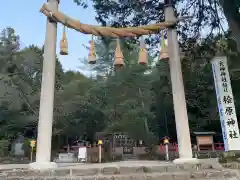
[204,139]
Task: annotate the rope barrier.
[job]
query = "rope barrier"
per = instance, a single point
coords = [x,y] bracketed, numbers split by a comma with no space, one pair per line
[106,31]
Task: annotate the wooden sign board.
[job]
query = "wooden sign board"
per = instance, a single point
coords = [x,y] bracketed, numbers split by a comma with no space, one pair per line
[205,140]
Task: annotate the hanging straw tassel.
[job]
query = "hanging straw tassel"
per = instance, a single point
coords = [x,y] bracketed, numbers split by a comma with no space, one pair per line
[92,53]
[164,49]
[119,60]
[143,54]
[64,43]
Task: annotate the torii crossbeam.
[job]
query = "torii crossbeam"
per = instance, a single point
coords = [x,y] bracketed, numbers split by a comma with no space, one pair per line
[106,31]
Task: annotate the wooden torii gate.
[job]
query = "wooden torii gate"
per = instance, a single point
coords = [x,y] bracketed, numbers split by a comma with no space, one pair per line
[43,156]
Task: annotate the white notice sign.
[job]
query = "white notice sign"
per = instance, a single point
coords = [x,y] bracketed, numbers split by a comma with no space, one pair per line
[82,154]
[226,105]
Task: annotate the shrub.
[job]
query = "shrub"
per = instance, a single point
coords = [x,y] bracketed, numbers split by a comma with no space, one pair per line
[4,144]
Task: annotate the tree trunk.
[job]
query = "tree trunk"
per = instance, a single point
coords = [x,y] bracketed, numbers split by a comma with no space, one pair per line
[232,14]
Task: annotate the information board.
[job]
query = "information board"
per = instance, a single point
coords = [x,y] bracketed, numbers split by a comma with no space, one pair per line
[82,154]
[226,105]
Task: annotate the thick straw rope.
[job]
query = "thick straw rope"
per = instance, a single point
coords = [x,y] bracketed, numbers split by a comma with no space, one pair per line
[105,31]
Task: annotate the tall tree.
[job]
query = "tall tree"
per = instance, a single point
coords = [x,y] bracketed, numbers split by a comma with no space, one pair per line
[207,14]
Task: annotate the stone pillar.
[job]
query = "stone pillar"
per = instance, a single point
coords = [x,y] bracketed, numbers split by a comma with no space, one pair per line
[180,109]
[44,138]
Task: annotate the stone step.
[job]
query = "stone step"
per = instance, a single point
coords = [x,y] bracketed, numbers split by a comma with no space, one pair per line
[208,169]
[198,175]
[112,169]
[129,157]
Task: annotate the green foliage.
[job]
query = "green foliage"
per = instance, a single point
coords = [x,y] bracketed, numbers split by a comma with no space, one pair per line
[20,85]
[136,99]
[4,147]
[197,53]
[206,15]
[228,157]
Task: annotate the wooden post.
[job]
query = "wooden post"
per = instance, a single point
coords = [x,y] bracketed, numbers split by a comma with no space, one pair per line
[100,151]
[44,137]
[179,101]
[31,155]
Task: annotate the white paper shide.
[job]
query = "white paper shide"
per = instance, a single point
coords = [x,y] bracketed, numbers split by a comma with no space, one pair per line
[226,105]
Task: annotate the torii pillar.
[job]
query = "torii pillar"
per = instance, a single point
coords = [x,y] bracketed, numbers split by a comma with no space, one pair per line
[179,100]
[45,122]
